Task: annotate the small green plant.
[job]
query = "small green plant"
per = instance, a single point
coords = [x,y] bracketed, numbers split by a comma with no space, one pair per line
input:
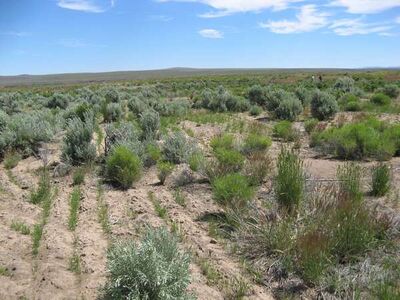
[153,153]
[123,167]
[20,227]
[36,237]
[158,207]
[196,161]
[154,269]
[179,198]
[165,168]
[4,271]
[284,130]
[11,160]
[380,180]
[75,264]
[229,160]
[226,141]
[210,272]
[233,190]
[290,180]
[43,191]
[102,212]
[74,203]
[78,177]
[255,110]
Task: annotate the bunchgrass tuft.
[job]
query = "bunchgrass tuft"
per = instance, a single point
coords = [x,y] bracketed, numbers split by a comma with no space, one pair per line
[20,227]
[74,203]
[380,180]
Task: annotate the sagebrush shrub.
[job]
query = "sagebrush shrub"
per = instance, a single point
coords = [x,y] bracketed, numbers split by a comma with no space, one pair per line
[290,180]
[150,123]
[137,106]
[4,119]
[77,146]
[380,180]
[323,105]
[255,110]
[112,95]
[59,100]
[390,90]
[112,112]
[177,148]
[344,84]
[303,94]
[123,133]
[153,269]
[233,190]
[289,108]
[256,95]
[123,167]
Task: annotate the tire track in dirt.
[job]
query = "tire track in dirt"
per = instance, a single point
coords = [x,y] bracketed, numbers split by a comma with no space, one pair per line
[92,242]
[199,203]
[53,280]
[16,248]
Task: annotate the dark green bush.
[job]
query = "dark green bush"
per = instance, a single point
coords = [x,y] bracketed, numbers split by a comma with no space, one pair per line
[229,160]
[323,105]
[380,99]
[380,180]
[290,180]
[123,167]
[353,106]
[233,190]
[154,269]
[390,90]
[255,142]
[256,95]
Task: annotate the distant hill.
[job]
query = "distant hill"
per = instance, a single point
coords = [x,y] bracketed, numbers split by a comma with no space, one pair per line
[75,78]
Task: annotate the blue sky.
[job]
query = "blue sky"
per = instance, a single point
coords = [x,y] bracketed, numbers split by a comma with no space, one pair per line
[62,36]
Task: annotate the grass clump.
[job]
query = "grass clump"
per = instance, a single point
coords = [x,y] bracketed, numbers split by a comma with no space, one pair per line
[153,269]
[160,210]
[196,161]
[179,198]
[20,227]
[36,237]
[165,168]
[285,131]
[229,160]
[43,191]
[255,110]
[4,271]
[290,180]
[74,264]
[11,160]
[233,190]
[380,99]
[225,141]
[255,142]
[74,203]
[78,177]
[123,167]
[349,176]
[380,180]
[310,124]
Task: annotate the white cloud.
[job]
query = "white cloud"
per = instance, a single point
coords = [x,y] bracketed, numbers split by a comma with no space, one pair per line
[346,27]
[211,34]
[398,20]
[308,19]
[89,6]
[15,33]
[229,7]
[366,6]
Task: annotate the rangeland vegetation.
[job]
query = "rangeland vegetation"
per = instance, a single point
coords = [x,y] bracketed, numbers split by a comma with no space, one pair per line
[272,185]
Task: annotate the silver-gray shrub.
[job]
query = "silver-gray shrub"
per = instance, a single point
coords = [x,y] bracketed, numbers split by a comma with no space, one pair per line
[178,148]
[289,108]
[77,146]
[137,105]
[150,123]
[323,105]
[113,112]
[123,133]
[58,100]
[4,119]
[154,269]
[25,131]
[9,102]
[344,84]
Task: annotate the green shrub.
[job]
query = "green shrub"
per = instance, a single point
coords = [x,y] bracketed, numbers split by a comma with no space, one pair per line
[77,146]
[290,180]
[78,177]
[289,108]
[310,125]
[154,269]
[233,190]
[153,154]
[367,138]
[256,95]
[177,148]
[285,131]
[255,142]
[229,160]
[11,160]
[150,123]
[123,167]
[226,141]
[196,161]
[390,90]
[380,180]
[323,105]
[255,110]
[164,169]
[353,106]
[380,99]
